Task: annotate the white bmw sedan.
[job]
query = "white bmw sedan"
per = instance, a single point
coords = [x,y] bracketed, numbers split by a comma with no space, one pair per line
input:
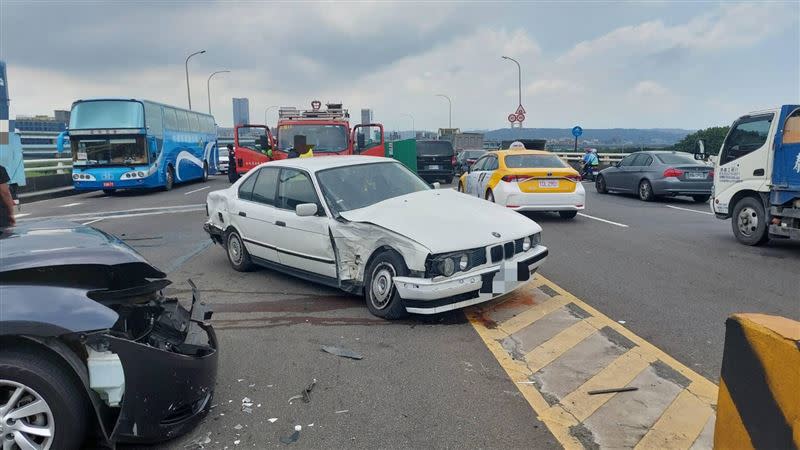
[371,227]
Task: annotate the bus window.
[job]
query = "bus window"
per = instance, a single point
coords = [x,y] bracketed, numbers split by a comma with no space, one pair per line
[152,116]
[170,119]
[183,120]
[194,122]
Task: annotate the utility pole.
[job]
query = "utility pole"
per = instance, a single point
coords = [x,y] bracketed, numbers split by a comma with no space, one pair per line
[208,86]
[186,64]
[450,113]
[265,114]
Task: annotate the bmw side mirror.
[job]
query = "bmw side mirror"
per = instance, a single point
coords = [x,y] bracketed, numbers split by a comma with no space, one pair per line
[306,209]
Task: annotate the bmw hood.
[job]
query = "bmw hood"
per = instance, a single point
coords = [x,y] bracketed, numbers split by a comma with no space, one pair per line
[445,220]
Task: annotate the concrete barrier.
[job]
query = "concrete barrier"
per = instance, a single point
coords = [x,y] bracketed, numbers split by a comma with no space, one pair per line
[759,390]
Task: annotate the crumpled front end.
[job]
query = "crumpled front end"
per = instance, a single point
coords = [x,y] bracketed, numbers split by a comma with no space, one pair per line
[154,371]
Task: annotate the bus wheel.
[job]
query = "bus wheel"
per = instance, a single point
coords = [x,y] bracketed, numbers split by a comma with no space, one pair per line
[170,179]
[205,171]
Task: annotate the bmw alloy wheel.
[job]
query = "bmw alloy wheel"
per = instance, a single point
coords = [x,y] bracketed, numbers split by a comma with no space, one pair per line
[382,288]
[26,420]
[235,249]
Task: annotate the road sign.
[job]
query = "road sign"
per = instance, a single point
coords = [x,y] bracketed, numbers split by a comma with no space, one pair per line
[521,112]
[520,117]
[512,118]
[577,131]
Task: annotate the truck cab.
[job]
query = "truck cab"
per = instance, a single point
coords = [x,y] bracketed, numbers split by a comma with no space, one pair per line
[757,176]
[327,132]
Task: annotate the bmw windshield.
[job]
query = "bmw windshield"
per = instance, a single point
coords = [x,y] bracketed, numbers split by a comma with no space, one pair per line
[353,187]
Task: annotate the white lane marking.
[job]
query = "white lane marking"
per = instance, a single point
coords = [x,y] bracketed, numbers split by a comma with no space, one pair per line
[68,205]
[94,215]
[152,213]
[17,216]
[689,209]
[603,220]
[197,190]
[92,221]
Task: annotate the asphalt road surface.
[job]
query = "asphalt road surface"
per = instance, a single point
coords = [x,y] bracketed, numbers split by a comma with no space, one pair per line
[670,270]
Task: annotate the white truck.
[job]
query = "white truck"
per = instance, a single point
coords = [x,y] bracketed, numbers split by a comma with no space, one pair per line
[757,176]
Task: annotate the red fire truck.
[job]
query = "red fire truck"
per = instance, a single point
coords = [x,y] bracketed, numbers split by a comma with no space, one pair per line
[327,131]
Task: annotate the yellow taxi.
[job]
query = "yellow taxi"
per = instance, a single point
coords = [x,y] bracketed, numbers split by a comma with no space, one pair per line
[526,180]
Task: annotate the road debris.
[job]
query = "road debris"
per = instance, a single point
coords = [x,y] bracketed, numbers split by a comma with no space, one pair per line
[236,442]
[342,411]
[340,351]
[292,437]
[238,426]
[199,442]
[621,322]
[613,390]
[526,382]
[305,395]
[247,405]
[272,419]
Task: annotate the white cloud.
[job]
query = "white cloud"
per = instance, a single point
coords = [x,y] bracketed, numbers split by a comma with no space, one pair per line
[649,88]
[553,86]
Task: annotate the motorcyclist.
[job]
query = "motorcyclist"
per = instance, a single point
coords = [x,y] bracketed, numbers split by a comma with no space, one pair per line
[590,162]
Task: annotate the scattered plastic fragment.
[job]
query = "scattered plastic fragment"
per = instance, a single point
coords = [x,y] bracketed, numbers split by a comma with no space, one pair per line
[200,442]
[343,352]
[305,395]
[613,390]
[247,410]
[236,442]
[272,419]
[258,405]
[238,427]
[621,321]
[239,380]
[252,385]
[292,437]
[342,411]
[525,382]
[311,425]
[298,427]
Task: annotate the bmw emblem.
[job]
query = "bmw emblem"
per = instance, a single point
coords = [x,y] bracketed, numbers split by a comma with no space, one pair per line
[495,234]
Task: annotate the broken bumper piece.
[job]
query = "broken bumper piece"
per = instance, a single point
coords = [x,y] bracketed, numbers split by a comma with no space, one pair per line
[429,296]
[169,383]
[214,232]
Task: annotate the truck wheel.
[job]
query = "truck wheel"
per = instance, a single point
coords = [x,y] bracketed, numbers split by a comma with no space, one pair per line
[379,290]
[237,253]
[749,222]
[41,403]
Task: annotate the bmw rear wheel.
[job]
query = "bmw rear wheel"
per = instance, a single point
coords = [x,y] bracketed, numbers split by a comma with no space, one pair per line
[646,191]
[237,253]
[380,292]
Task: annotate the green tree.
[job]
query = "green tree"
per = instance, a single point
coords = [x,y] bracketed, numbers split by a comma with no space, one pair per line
[712,137]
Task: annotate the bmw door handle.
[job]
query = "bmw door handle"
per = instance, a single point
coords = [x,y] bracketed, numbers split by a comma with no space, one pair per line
[280,223]
[242,213]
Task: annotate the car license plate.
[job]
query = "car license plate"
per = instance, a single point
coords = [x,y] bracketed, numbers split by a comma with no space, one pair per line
[548,183]
[108,184]
[695,176]
[434,167]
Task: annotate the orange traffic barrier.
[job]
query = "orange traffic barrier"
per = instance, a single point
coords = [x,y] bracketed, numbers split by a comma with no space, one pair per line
[759,389]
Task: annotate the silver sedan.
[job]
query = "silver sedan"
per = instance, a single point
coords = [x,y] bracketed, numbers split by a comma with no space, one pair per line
[658,173]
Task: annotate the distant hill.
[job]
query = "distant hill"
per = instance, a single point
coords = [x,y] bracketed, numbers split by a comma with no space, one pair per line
[598,136]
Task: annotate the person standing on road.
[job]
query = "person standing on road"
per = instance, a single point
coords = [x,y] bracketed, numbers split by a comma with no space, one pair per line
[232,174]
[6,202]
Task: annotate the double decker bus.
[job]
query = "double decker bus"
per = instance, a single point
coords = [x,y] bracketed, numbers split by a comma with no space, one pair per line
[139,144]
[327,132]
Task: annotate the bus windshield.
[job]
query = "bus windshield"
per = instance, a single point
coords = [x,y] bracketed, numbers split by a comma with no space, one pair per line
[116,151]
[321,138]
[106,114]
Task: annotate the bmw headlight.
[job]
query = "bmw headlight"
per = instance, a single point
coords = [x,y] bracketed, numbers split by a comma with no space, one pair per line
[536,239]
[447,267]
[463,262]
[526,244]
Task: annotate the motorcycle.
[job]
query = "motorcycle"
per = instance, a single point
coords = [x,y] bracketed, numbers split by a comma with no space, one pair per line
[590,172]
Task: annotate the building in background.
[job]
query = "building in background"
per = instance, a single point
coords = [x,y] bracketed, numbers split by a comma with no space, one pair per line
[41,124]
[61,115]
[241,111]
[366,116]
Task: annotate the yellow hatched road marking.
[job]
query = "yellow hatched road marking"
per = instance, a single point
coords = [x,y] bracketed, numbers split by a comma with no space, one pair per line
[692,406]
[558,344]
[679,425]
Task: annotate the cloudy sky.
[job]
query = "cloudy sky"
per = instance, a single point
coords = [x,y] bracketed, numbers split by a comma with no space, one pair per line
[602,65]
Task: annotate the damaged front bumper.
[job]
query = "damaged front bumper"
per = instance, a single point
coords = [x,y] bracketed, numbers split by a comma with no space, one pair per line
[433,296]
[169,375]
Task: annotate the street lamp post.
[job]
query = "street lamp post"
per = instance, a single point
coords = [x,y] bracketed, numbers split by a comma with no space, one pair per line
[265,113]
[186,65]
[450,110]
[413,130]
[208,86]
[519,74]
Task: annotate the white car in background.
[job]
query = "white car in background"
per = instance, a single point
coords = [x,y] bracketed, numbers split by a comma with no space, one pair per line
[370,226]
[222,161]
